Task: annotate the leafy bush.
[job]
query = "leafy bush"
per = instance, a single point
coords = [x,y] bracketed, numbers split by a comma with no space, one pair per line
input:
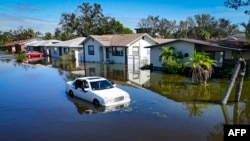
[20,57]
[172,67]
[171,60]
[228,69]
[70,56]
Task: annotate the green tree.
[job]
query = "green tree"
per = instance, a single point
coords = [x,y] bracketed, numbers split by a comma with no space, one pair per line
[225,28]
[158,27]
[247,30]
[236,4]
[201,26]
[5,37]
[88,19]
[201,67]
[48,36]
[17,34]
[151,23]
[205,25]
[21,33]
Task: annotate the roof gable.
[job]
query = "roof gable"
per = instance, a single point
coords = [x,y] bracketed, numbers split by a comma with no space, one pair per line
[119,39]
[21,42]
[76,42]
[44,43]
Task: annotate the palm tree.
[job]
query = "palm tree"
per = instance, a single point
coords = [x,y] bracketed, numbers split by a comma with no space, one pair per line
[167,54]
[201,67]
[247,30]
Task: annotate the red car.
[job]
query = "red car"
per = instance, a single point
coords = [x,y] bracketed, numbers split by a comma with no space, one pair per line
[31,54]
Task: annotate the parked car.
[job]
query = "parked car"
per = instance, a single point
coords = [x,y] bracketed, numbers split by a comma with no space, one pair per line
[97,90]
[31,54]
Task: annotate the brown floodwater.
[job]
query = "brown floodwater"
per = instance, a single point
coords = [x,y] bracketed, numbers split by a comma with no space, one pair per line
[35,106]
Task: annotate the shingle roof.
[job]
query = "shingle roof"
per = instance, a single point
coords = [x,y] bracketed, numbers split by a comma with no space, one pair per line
[236,37]
[70,43]
[20,42]
[105,40]
[44,43]
[119,39]
[196,42]
[160,40]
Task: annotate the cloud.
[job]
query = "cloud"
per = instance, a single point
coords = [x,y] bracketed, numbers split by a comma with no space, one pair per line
[9,22]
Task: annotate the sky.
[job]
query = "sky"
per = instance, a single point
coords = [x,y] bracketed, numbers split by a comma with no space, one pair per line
[44,15]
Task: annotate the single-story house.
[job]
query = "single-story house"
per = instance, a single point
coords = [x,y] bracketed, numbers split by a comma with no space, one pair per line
[216,50]
[20,45]
[74,45]
[118,48]
[41,45]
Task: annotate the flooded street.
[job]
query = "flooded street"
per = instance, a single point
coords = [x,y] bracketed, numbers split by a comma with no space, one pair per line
[35,106]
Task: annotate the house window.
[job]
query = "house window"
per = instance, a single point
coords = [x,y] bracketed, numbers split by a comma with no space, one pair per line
[218,56]
[135,51]
[91,50]
[117,51]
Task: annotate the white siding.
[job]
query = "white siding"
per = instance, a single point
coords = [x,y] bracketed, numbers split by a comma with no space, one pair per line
[184,47]
[100,52]
[144,53]
[96,56]
[154,56]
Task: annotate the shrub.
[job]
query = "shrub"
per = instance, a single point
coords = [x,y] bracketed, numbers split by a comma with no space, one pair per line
[171,60]
[172,67]
[70,56]
[228,69]
[20,57]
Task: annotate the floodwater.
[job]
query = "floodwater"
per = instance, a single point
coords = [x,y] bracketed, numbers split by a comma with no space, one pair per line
[35,106]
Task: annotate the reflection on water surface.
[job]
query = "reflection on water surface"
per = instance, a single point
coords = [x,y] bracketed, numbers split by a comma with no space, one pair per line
[34,105]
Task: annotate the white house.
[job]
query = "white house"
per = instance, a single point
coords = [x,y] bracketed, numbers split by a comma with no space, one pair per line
[41,45]
[59,49]
[118,48]
[187,46]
